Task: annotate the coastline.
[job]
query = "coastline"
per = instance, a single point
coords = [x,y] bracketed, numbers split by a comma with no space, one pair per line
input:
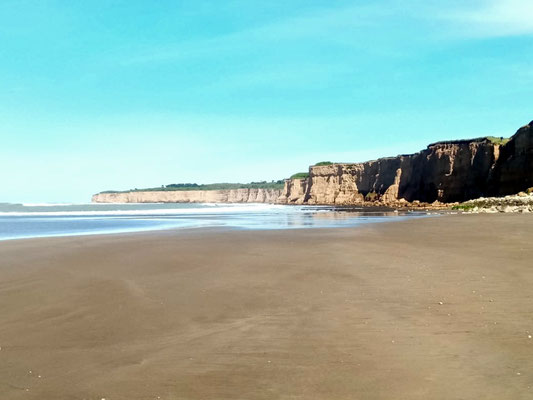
[310,313]
[25,222]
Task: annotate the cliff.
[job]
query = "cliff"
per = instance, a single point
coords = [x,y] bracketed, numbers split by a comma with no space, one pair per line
[446,172]
[191,196]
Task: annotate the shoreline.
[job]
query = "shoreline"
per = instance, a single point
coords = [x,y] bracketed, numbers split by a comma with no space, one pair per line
[207,229]
[416,309]
[76,221]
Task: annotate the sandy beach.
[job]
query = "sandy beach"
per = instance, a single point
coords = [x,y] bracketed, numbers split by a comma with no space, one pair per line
[432,308]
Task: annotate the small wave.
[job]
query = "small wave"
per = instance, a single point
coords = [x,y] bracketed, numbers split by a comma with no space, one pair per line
[50,204]
[247,208]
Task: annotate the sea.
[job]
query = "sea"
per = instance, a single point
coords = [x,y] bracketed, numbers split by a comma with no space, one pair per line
[20,221]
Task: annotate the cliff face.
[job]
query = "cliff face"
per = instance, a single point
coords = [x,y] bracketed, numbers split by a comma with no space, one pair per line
[191,196]
[515,169]
[446,172]
[294,192]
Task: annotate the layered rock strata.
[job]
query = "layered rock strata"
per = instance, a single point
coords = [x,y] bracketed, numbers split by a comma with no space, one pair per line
[191,196]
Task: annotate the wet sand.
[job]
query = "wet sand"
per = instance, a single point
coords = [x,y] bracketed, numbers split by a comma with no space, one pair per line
[433,308]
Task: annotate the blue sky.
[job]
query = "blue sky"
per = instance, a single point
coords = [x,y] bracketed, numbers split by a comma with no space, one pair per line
[98,95]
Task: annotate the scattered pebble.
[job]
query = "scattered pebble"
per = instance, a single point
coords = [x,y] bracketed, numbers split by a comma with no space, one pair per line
[441,303]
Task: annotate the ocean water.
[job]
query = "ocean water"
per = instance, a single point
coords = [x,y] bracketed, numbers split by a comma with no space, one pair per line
[19,221]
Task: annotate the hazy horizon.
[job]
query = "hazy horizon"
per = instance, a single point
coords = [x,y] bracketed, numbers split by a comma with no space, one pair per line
[123,94]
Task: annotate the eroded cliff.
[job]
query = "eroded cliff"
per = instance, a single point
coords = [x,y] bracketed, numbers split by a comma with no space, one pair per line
[445,172]
[191,196]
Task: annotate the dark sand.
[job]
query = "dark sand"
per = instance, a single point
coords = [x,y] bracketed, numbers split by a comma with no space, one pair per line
[297,314]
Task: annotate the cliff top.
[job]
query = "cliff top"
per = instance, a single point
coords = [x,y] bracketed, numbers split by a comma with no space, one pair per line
[484,139]
[301,175]
[527,127]
[211,186]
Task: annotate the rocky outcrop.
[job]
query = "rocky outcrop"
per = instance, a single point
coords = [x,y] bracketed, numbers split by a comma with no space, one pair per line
[520,203]
[191,196]
[444,172]
[294,192]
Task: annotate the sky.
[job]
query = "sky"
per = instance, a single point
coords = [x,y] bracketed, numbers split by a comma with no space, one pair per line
[98,95]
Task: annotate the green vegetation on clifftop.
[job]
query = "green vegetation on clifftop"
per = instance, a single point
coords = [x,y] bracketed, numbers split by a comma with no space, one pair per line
[211,186]
[498,140]
[491,139]
[300,175]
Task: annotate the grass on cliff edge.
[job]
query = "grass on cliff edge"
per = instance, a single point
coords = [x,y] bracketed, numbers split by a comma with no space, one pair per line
[211,186]
[300,175]
[492,139]
[498,140]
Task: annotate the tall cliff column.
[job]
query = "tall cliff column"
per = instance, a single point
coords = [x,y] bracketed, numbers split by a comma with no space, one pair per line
[514,170]
[391,194]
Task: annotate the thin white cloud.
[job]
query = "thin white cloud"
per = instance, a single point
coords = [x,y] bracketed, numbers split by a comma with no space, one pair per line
[493,18]
[333,24]
[379,28]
